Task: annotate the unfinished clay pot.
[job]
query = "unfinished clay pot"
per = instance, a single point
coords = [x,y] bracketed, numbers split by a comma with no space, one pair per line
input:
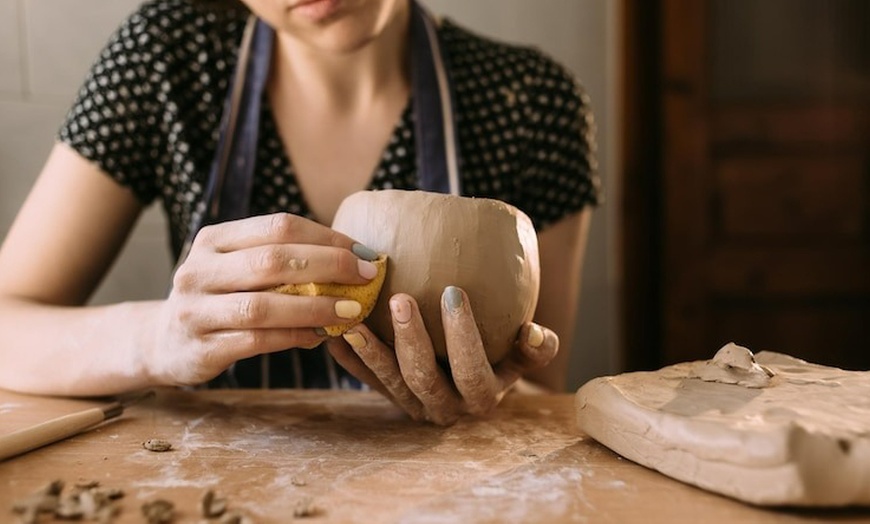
[486,247]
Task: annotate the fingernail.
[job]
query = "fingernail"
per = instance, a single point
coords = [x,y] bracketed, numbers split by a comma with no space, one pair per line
[401,309]
[364,252]
[320,332]
[356,340]
[536,336]
[367,269]
[452,298]
[347,308]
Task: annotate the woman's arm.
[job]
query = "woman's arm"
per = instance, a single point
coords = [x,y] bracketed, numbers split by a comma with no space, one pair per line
[69,231]
[562,247]
[64,239]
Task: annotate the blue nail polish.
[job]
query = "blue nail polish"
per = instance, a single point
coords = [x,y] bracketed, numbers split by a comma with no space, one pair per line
[452,298]
[364,252]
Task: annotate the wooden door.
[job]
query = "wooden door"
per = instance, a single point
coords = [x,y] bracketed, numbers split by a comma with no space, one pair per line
[763,221]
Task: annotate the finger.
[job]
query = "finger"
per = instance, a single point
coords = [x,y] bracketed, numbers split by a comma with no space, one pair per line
[346,358]
[264,310]
[471,371]
[416,358]
[277,228]
[226,347]
[536,347]
[265,266]
[381,360]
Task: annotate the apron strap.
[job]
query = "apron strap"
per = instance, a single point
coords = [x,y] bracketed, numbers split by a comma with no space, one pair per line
[232,171]
[434,127]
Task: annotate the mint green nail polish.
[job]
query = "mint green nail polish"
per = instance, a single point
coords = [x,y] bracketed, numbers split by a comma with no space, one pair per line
[364,252]
[452,298]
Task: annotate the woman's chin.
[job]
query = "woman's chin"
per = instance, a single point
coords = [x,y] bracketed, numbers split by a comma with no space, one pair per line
[316,11]
[339,26]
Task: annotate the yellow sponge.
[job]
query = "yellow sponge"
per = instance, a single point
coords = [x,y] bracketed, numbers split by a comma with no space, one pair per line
[365,294]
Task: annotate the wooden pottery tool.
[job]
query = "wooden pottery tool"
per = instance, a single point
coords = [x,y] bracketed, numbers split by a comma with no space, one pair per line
[57,429]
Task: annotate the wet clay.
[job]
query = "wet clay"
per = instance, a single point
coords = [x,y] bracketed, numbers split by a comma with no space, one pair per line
[771,430]
[486,247]
[733,364]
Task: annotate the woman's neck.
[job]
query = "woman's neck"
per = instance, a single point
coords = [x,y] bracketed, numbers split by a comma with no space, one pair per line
[345,82]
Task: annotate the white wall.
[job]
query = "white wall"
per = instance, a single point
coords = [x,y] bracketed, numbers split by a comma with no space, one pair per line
[46,47]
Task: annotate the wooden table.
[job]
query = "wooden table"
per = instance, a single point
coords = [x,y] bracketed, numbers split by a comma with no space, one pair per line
[361,460]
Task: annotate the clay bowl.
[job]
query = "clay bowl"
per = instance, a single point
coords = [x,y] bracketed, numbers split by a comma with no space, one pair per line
[486,247]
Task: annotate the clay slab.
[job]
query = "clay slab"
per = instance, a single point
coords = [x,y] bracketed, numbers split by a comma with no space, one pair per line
[803,440]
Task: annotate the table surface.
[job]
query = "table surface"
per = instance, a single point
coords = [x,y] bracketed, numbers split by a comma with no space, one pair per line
[360,460]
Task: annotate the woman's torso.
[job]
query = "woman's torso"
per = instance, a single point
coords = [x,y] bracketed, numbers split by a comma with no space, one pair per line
[150,110]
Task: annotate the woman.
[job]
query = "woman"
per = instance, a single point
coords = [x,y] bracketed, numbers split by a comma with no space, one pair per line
[336,117]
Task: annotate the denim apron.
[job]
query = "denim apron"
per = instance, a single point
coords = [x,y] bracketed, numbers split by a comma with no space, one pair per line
[228,192]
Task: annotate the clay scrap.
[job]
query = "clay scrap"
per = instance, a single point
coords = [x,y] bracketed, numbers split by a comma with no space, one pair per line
[88,501]
[211,506]
[157,445]
[85,501]
[305,507]
[768,429]
[732,364]
[159,511]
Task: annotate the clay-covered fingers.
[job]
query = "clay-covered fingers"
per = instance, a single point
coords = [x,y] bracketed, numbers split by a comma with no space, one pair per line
[472,373]
[381,361]
[416,359]
[270,265]
[535,348]
[344,354]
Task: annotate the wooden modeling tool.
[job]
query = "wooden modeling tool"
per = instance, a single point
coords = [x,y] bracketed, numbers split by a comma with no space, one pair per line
[57,429]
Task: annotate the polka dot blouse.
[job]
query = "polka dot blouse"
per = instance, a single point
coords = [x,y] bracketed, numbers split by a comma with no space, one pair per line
[149,111]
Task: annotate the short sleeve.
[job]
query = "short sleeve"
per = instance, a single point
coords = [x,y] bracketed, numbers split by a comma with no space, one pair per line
[115,120]
[559,176]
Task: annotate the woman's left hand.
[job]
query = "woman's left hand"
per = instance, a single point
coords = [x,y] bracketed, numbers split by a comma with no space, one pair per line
[410,376]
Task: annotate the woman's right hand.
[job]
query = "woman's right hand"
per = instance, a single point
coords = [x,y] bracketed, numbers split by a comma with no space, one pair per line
[220,310]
